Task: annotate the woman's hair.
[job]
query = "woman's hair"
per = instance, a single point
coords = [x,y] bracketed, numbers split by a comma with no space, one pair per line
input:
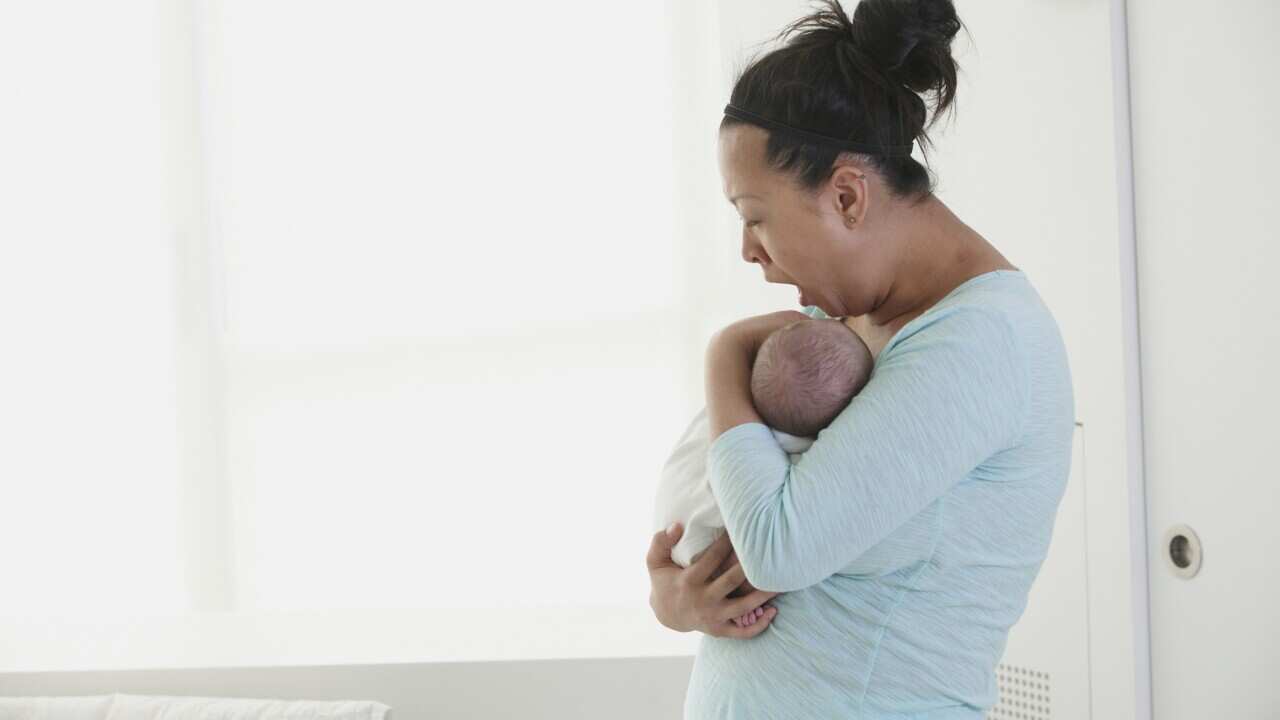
[860,79]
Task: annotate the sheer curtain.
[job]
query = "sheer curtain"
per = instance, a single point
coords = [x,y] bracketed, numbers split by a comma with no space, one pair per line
[362,306]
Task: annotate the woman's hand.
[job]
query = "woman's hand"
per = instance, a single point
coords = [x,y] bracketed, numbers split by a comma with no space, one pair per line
[685,599]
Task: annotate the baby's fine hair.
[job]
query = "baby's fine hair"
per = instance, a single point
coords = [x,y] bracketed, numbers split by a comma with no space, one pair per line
[805,373]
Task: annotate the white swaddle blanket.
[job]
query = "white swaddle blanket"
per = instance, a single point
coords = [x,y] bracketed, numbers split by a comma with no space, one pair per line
[684,490]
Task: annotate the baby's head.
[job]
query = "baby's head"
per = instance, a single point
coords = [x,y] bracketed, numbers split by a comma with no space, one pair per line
[806,373]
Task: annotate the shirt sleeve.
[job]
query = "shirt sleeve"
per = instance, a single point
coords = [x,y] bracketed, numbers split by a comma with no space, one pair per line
[940,400]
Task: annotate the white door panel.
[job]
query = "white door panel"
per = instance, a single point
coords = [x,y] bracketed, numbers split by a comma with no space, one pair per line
[1205,87]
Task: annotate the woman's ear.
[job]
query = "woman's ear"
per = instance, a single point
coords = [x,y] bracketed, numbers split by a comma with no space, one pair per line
[849,190]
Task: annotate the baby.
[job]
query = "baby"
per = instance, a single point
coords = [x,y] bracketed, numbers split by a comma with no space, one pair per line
[804,374]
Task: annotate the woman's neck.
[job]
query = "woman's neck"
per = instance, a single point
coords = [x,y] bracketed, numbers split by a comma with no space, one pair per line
[939,253]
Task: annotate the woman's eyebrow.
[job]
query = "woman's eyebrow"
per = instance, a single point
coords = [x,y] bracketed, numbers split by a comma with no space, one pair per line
[734,200]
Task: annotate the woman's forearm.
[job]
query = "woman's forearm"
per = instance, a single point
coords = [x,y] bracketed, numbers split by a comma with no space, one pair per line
[730,355]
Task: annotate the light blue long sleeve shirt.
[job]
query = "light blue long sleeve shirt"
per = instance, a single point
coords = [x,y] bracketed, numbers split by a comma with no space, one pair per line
[905,540]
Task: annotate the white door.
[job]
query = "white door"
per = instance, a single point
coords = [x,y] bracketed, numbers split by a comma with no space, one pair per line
[1205,87]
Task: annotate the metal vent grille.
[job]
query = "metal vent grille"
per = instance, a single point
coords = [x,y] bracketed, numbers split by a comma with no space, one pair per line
[1024,694]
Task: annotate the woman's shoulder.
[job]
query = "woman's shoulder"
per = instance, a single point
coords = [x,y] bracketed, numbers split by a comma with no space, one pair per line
[993,307]
[984,289]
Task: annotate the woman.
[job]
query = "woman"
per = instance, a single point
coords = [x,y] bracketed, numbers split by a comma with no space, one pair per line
[899,550]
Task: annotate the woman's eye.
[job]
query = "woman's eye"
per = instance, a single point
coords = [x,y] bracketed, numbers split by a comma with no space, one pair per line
[753,223]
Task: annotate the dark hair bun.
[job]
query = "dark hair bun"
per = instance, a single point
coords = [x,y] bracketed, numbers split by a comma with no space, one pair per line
[865,78]
[911,42]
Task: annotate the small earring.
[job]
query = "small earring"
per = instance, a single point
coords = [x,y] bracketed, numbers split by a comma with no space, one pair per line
[850,221]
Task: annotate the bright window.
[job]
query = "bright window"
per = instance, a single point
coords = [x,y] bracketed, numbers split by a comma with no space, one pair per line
[321,307]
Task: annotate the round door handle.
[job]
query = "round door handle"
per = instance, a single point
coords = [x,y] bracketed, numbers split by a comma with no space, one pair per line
[1182,550]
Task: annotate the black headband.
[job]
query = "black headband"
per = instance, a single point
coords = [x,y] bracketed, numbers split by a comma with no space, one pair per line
[734,111]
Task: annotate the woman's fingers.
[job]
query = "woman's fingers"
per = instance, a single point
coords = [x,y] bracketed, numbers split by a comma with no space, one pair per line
[733,580]
[719,588]
[666,577]
[730,579]
[710,560]
[729,561]
[660,548]
[746,603]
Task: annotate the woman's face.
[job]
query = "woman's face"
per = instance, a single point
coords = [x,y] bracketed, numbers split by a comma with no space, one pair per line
[796,238]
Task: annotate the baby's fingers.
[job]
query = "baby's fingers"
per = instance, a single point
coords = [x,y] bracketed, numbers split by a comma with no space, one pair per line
[729,628]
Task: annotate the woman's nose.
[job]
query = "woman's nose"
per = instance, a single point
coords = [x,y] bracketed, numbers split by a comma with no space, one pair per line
[752,252]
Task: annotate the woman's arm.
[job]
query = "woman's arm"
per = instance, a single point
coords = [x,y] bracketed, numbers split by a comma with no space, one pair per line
[712,591]
[946,397]
[730,355]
